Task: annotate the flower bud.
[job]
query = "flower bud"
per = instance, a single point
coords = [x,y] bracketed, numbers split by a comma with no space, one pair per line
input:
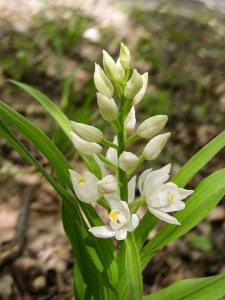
[110,66]
[155,146]
[120,70]
[133,86]
[107,107]
[152,126]
[142,91]
[111,153]
[102,82]
[107,185]
[87,132]
[130,121]
[127,160]
[85,147]
[124,57]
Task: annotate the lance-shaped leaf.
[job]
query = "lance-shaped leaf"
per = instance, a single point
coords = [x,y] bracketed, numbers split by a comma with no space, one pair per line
[193,289]
[50,106]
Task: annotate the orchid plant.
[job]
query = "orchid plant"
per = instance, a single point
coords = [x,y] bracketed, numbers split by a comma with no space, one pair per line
[100,208]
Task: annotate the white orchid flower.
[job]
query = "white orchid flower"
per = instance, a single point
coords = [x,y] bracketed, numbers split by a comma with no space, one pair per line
[85,187]
[162,198]
[121,222]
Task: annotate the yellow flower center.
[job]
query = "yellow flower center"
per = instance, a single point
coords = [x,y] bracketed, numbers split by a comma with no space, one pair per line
[171,197]
[80,180]
[117,216]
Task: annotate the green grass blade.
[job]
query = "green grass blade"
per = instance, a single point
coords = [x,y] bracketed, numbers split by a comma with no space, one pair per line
[199,160]
[212,288]
[133,269]
[207,194]
[53,109]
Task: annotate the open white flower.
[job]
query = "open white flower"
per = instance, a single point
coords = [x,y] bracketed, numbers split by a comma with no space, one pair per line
[121,222]
[162,198]
[85,187]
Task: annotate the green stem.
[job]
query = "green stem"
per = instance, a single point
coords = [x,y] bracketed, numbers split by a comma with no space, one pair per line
[106,161]
[121,147]
[132,138]
[140,161]
[108,143]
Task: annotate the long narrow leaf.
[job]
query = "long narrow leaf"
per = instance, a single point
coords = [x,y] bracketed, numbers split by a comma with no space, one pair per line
[199,160]
[212,288]
[133,269]
[72,220]
[53,109]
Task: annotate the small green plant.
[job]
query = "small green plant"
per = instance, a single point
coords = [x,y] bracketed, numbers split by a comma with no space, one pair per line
[103,268]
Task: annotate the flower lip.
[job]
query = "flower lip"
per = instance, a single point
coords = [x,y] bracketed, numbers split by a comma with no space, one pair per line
[117,216]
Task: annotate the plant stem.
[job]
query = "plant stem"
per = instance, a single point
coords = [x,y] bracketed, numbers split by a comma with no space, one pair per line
[121,147]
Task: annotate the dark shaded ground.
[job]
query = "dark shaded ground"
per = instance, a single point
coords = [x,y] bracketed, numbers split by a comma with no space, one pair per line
[185,59]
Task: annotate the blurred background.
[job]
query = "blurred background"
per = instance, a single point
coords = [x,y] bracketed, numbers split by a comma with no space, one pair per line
[53,45]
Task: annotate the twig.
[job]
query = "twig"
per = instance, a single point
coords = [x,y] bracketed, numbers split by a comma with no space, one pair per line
[16,246]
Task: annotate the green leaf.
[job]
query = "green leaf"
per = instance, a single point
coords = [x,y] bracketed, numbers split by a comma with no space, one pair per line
[59,162]
[207,194]
[145,226]
[73,222]
[133,269]
[42,142]
[50,106]
[199,160]
[193,289]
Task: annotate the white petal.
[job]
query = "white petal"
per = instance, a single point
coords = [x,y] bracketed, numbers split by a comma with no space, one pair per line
[142,180]
[175,206]
[155,179]
[125,209]
[131,189]
[101,165]
[121,234]
[113,200]
[130,121]
[163,216]
[87,132]
[133,222]
[141,93]
[102,231]
[107,185]
[85,147]
[74,176]
[91,179]
[115,226]
[127,161]
[111,154]
[85,194]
